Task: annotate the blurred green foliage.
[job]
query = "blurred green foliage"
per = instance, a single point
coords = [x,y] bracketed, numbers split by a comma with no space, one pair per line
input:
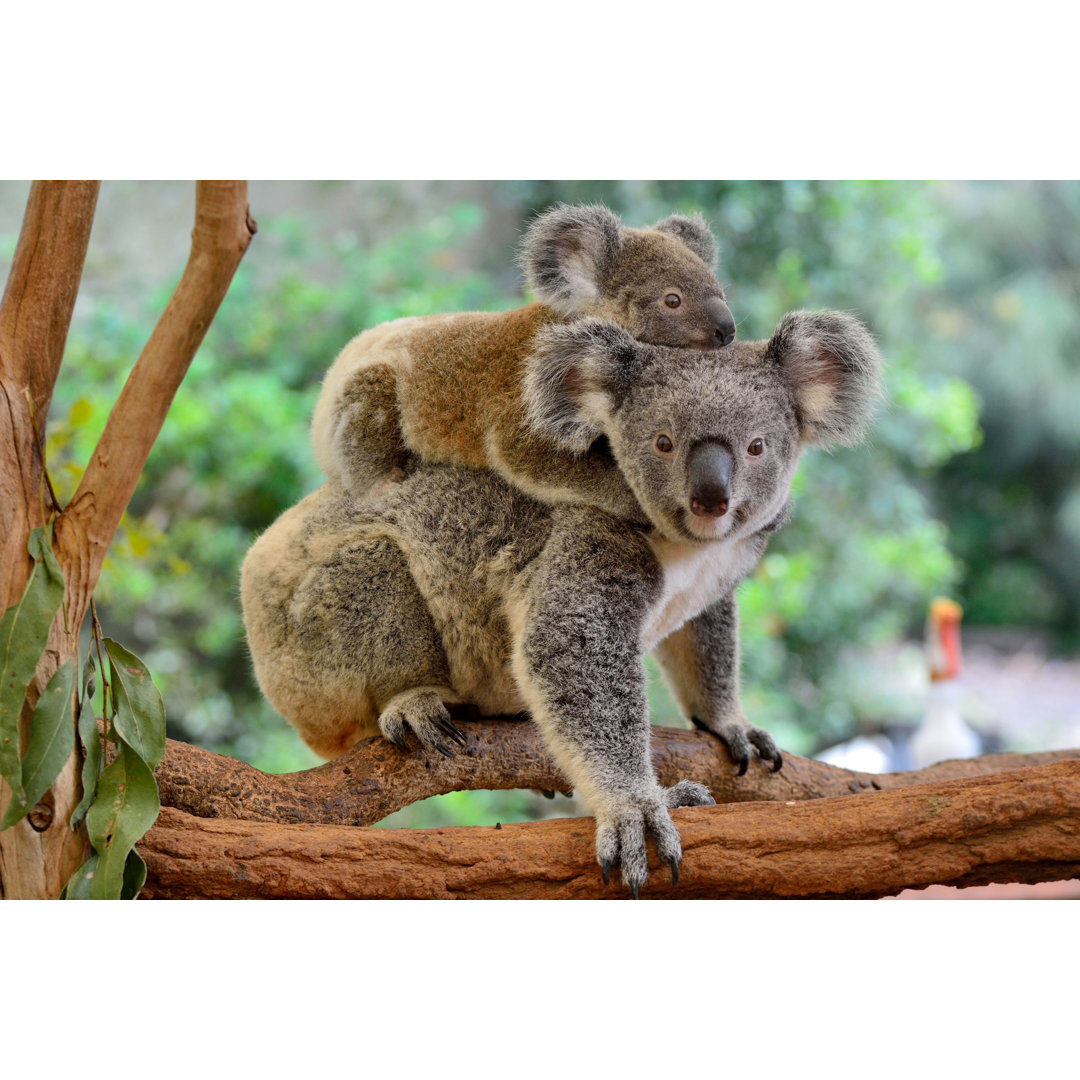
[971,290]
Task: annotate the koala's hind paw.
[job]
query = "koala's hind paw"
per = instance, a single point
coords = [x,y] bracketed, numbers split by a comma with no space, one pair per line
[739,737]
[422,712]
[622,829]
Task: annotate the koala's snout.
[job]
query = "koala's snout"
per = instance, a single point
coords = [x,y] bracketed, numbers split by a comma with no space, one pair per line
[708,470]
[723,320]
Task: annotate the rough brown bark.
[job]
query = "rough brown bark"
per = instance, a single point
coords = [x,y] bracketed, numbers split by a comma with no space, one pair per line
[375,778]
[34,318]
[1021,825]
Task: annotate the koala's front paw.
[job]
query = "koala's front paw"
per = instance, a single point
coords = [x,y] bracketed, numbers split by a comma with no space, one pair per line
[624,823]
[739,737]
[423,712]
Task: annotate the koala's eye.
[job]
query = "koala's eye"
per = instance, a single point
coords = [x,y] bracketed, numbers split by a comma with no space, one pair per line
[756,448]
[673,300]
[664,445]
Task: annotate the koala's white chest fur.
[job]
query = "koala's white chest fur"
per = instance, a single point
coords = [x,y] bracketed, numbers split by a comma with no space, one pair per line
[694,576]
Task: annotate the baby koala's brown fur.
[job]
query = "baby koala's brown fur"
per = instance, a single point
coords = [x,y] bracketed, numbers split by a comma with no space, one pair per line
[448,388]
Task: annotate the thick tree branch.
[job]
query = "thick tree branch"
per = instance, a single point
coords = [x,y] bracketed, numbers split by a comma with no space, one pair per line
[1021,825]
[375,778]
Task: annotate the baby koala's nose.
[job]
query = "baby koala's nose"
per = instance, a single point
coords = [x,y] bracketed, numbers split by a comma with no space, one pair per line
[723,321]
[709,472]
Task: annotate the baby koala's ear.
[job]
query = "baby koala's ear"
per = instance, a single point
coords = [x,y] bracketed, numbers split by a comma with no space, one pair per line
[576,377]
[695,233]
[568,255]
[834,369]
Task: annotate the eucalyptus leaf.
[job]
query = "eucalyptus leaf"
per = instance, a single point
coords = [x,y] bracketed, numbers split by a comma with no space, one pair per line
[125,807]
[91,740]
[24,633]
[140,712]
[52,739]
[134,876]
[78,886]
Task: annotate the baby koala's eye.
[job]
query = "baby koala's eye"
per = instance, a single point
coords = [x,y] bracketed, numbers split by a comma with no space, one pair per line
[756,448]
[664,445]
[673,300]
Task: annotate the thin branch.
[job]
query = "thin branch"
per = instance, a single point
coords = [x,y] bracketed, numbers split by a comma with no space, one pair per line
[39,298]
[375,778]
[1021,825]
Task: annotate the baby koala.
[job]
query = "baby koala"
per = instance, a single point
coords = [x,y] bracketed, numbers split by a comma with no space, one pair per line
[368,617]
[449,387]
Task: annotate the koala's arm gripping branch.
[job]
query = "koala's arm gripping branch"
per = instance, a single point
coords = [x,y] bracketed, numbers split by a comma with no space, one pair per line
[1012,826]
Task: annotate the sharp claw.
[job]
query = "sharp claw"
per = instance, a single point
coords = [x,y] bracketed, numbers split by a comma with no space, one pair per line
[451,729]
[441,747]
[400,742]
[605,871]
[778,764]
[744,764]
[547,794]
[674,864]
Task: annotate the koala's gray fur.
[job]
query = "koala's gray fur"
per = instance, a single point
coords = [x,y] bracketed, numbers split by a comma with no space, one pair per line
[452,586]
[448,387]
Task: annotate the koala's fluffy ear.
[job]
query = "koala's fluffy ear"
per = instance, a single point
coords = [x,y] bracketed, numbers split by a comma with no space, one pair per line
[575,378]
[834,368]
[568,254]
[695,233]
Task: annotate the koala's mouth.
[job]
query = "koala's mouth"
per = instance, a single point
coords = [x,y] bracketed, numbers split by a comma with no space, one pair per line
[703,530]
[705,343]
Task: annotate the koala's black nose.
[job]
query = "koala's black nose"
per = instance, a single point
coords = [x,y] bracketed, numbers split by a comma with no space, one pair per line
[709,472]
[723,320]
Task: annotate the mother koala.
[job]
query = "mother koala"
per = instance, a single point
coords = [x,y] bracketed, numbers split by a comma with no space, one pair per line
[453,587]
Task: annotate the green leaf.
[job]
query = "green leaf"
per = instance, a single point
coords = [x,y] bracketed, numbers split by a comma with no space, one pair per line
[91,740]
[140,712]
[78,886]
[134,876]
[126,805]
[52,739]
[24,633]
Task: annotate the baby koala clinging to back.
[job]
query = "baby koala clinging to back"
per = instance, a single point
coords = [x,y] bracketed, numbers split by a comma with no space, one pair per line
[449,387]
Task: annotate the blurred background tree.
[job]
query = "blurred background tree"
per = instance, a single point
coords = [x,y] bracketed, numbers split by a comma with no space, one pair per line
[969,486]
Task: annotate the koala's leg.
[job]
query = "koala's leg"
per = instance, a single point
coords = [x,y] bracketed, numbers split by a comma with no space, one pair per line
[369,641]
[578,663]
[701,662]
[365,448]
